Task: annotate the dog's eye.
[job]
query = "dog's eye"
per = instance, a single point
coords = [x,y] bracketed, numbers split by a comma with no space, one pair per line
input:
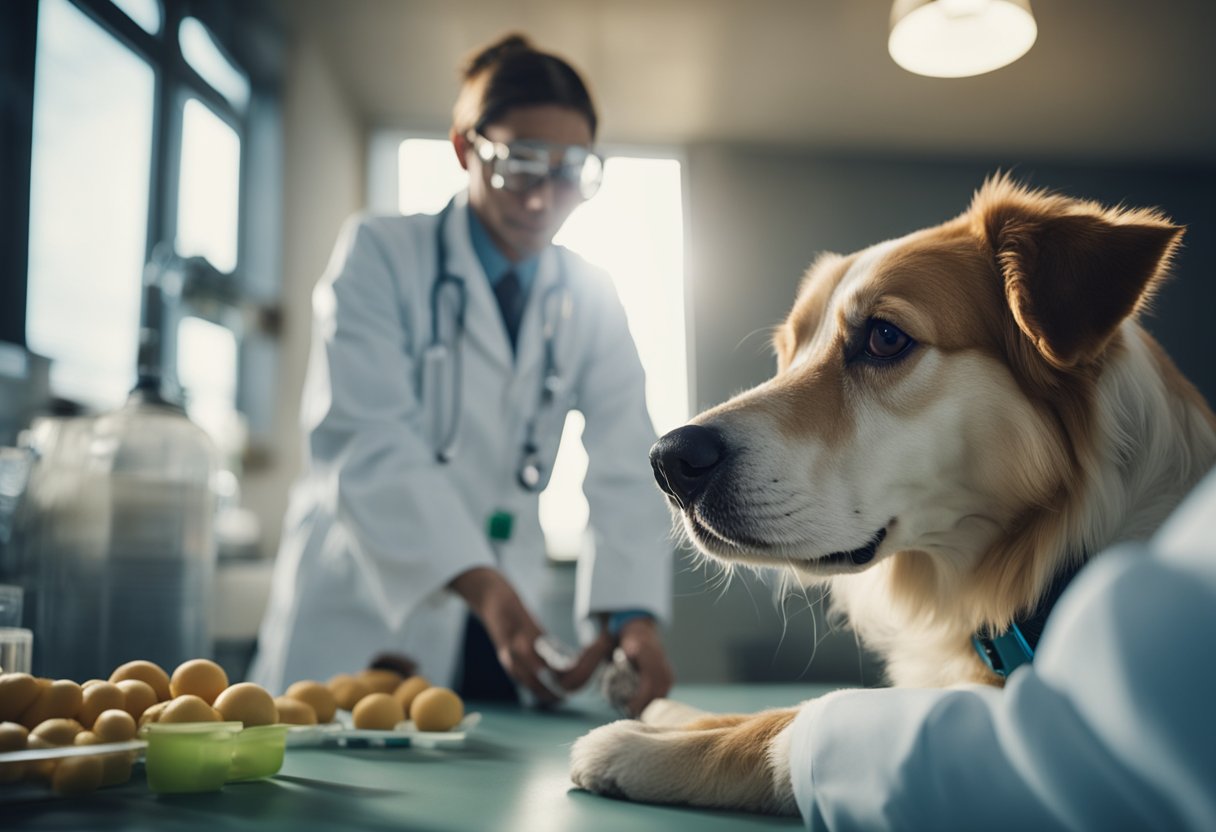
[884,340]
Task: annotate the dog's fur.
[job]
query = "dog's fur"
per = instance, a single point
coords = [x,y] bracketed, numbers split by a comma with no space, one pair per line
[1031,424]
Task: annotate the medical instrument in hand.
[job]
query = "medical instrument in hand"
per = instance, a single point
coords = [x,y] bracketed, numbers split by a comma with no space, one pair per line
[522,165]
[556,306]
[558,658]
[620,682]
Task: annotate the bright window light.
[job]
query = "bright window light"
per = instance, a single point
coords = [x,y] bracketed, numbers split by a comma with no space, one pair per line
[146,13]
[208,60]
[89,175]
[633,229]
[207,372]
[208,197]
[427,175]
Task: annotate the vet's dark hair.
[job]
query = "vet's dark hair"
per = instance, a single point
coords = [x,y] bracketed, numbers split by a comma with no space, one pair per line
[512,73]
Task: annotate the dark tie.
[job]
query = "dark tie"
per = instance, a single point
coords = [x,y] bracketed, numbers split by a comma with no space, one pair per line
[511,303]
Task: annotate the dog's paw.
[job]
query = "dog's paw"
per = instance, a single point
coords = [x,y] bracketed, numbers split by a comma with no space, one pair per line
[613,761]
[669,713]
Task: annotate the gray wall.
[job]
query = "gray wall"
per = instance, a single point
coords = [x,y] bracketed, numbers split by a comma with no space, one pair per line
[323,185]
[757,218]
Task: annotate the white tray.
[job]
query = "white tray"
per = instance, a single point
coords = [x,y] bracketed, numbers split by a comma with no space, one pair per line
[61,751]
[403,734]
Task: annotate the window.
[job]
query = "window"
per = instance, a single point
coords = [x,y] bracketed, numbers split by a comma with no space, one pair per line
[634,229]
[89,186]
[146,132]
[206,366]
[208,192]
[208,60]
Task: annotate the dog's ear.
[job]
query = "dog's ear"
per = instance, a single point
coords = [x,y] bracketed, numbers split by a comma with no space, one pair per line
[1073,271]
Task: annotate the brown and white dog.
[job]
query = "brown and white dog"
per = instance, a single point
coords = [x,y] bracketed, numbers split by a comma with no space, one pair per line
[958,416]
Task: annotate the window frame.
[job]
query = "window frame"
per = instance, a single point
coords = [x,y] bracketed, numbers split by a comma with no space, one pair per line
[18,30]
[252,39]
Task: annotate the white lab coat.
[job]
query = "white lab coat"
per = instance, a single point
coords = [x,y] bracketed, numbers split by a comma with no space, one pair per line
[1113,726]
[376,527]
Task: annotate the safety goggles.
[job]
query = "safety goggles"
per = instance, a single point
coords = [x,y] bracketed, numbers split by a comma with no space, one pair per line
[522,165]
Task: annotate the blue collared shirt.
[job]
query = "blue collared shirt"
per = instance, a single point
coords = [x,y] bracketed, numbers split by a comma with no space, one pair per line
[494,262]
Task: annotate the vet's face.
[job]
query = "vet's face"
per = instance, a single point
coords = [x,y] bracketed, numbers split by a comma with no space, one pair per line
[893,423]
[524,224]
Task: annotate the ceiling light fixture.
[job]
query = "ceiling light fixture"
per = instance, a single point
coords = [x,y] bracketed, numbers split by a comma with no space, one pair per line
[956,38]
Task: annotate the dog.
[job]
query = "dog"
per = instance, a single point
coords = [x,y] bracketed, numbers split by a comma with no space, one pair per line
[960,418]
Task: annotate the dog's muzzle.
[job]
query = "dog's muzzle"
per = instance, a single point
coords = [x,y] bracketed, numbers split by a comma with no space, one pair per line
[684,460]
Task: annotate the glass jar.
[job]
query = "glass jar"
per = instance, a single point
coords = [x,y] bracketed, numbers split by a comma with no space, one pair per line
[119,541]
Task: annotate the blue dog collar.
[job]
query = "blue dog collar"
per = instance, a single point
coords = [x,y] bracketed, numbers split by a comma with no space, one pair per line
[1005,652]
[1008,650]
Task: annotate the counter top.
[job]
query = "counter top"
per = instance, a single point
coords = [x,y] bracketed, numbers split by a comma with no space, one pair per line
[511,774]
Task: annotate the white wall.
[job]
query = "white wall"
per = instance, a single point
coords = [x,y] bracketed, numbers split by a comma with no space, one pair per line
[323,185]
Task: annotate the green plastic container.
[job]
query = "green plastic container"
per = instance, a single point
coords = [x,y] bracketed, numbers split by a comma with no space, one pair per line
[189,756]
[258,752]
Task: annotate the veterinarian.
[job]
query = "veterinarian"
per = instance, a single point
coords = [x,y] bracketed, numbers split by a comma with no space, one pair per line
[447,350]
[1112,726]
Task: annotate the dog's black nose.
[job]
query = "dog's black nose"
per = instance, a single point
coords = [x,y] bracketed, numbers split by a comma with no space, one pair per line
[684,459]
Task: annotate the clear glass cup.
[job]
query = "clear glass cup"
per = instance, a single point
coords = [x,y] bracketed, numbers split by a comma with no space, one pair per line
[16,650]
[16,643]
[10,605]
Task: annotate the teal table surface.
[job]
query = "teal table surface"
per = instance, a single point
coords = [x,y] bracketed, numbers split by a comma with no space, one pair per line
[512,773]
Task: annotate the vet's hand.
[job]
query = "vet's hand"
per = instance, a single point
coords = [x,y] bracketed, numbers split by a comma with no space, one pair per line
[644,649]
[593,655]
[510,626]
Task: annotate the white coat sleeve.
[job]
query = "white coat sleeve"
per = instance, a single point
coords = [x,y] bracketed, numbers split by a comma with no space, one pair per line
[405,519]
[630,564]
[1111,727]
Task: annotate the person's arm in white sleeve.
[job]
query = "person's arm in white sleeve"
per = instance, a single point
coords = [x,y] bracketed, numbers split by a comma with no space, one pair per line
[630,567]
[1111,727]
[362,414]
[628,571]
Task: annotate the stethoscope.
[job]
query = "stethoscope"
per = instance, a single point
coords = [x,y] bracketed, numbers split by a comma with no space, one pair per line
[529,472]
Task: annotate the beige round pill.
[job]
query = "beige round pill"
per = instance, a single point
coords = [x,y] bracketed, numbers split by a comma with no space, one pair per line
[86,738]
[379,680]
[98,697]
[39,769]
[188,708]
[407,690]
[61,698]
[153,674]
[17,692]
[116,765]
[347,690]
[200,677]
[116,768]
[153,713]
[114,725]
[248,704]
[12,738]
[436,709]
[317,696]
[378,712]
[57,731]
[294,712]
[77,775]
[138,696]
